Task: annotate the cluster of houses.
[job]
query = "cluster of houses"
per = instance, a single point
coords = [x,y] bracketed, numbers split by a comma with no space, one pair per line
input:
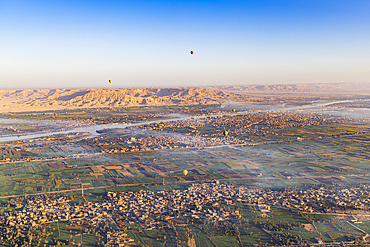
[120,238]
[314,199]
[201,200]
[147,207]
[242,124]
[165,141]
[197,201]
[45,210]
[141,206]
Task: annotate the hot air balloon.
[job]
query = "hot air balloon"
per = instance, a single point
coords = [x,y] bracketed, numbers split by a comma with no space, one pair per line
[226,133]
[191,52]
[110,81]
[186,172]
[233,110]
[169,90]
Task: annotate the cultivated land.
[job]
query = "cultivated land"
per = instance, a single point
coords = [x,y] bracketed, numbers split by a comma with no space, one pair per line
[284,175]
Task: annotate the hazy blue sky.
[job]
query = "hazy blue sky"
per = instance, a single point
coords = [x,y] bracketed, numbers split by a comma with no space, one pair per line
[148,43]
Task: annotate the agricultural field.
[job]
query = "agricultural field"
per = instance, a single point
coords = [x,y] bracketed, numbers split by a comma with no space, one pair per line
[267,151]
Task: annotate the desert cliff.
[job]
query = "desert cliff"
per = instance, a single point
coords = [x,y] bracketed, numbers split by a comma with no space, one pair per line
[57,99]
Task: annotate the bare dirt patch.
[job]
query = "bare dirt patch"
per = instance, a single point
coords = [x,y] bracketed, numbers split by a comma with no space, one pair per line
[309,227]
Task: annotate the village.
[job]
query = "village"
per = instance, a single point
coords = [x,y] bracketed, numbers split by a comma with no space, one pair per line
[199,201]
[152,211]
[249,129]
[241,125]
[318,199]
[144,143]
[142,206]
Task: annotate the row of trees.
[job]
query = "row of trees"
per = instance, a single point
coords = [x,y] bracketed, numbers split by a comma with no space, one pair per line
[287,238]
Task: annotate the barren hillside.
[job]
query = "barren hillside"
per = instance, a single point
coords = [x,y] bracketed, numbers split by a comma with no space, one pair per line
[53,99]
[57,99]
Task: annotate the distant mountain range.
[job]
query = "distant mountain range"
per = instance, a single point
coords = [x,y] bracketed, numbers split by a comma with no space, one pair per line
[56,99]
[294,88]
[20,100]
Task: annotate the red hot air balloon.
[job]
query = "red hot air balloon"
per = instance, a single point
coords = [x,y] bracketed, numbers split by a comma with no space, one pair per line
[169,90]
[191,52]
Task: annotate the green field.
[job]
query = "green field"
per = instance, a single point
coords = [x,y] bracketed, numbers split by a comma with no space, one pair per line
[272,157]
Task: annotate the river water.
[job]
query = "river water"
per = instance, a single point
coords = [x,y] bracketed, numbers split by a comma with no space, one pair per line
[92,129]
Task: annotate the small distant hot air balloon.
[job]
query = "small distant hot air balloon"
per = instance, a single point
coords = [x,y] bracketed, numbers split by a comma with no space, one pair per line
[226,133]
[110,81]
[186,172]
[169,90]
[191,52]
[233,110]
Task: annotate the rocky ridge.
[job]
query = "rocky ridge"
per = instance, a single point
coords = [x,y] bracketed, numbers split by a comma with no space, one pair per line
[56,99]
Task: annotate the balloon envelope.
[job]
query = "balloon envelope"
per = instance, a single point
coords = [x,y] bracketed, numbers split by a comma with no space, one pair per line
[186,172]
[110,81]
[226,133]
[191,52]
[233,110]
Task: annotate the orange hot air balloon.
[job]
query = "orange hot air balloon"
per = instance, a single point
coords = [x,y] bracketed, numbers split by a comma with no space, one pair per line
[191,52]
[110,81]
[226,133]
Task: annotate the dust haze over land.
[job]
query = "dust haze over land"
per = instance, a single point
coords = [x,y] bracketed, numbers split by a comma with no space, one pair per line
[16,126]
[240,106]
[270,98]
[314,108]
[298,94]
[317,88]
